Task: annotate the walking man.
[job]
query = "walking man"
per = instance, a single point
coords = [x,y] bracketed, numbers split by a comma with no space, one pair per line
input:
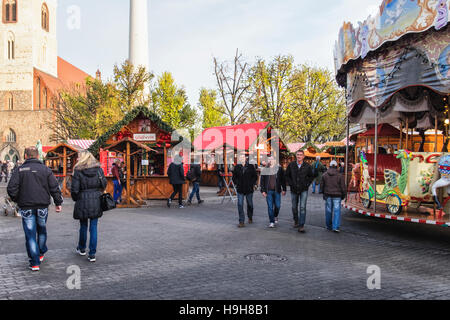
[273,184]
[333,189]
[299,176]
[318,170]
[176,179]
[195,175]
[117,181]
[244,177]
[31,186]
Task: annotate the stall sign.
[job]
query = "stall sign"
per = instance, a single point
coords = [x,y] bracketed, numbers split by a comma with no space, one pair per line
[144,136]
[144,162]
[112,154]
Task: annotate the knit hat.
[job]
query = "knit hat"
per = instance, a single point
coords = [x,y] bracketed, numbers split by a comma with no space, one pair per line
[333,163]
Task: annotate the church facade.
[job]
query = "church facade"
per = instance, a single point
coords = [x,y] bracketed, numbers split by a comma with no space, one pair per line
[31,74]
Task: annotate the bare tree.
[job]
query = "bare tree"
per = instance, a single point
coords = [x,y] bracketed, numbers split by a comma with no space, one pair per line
[233,87]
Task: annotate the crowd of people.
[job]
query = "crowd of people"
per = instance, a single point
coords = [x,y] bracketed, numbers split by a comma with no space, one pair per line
[32,185]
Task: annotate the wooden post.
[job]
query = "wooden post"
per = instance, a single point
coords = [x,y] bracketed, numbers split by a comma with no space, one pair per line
[165,159]
[128,174]
[407,134]
[435,133]
[64,190]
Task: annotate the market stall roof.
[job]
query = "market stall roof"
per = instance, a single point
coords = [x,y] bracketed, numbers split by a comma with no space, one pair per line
[121,146]
[129,117]
[81,143]
[241,136]
[59,149]
[384,130]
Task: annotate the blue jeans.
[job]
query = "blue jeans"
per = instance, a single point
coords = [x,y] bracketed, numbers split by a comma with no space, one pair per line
[314,186]
[195,190]
[92,236]
[273,204]
[117,190]
[249,198]
[333,205]
[303,197]
[34,225]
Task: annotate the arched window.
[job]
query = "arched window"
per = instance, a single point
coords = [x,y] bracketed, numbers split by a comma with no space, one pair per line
[11,136]
[9,102]
[44,17]
[38,93]
[10,46]
[44,97]
[9,11]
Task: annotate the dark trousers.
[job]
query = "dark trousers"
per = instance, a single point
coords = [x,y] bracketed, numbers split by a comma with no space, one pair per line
[177,189]
[249,198]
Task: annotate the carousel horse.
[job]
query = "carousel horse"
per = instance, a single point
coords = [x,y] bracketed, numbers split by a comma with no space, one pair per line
[444,181]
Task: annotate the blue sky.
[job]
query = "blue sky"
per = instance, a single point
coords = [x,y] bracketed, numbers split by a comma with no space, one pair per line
[185,35]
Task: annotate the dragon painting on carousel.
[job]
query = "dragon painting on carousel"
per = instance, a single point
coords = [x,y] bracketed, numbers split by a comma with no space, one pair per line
[404,179]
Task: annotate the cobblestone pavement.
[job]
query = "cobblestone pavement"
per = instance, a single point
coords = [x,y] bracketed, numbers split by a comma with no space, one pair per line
[199,253]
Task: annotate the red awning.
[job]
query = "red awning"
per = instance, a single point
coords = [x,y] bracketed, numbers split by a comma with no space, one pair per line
[240,137]
[384,130]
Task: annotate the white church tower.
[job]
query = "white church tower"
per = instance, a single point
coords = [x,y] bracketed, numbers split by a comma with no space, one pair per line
[138,50]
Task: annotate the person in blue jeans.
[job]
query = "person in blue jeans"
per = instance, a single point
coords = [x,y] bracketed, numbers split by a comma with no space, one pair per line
[334,191]
[195,174]
[318,170]
[273,185]
[117,181]
[299,176]
[244,178]
[31,186]
[88,184]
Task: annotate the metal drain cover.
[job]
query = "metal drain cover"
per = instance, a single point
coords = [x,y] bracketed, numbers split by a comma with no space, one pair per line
[266,257]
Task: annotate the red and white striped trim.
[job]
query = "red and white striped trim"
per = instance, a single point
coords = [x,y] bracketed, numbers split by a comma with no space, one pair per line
[83,144]
[399,218]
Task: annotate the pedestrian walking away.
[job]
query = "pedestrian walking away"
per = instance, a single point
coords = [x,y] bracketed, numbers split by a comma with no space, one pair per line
[176,179]
[299,176]
[88,184]
[273,185]
[194,175]
[117,181]
[5,170]
[334,191]
[244,177]
[318,170]
[31,187]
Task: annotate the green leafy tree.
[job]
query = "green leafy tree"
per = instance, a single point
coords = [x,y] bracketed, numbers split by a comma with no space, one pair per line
[213,113]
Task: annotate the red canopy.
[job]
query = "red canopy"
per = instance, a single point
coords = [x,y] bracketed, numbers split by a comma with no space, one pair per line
[240,136]
[384,130]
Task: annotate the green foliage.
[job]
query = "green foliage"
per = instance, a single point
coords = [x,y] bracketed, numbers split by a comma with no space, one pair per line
[213,113]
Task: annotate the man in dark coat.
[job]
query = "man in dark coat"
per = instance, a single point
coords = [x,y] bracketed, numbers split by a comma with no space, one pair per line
[176,179]
[31,187]
[299,176]
[245,177]
[196,172]
[333,188]
[88,184]
[273,184]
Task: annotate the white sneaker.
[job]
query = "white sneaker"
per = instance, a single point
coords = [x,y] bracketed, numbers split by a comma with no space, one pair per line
[276,220]
[272,225]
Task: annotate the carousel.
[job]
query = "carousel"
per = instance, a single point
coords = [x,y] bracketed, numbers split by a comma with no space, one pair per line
[395,68]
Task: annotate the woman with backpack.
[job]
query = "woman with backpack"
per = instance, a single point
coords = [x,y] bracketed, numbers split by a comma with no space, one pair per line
[88,184]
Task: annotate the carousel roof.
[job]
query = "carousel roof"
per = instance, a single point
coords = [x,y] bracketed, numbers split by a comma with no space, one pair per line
[394,19]
[384,130]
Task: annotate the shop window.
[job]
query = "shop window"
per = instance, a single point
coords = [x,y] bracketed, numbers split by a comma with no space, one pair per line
[9,11]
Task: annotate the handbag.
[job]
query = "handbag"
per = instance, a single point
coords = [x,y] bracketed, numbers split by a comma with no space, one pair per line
[106,200]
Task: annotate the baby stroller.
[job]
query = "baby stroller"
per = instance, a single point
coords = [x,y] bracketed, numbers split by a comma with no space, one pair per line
[10,208]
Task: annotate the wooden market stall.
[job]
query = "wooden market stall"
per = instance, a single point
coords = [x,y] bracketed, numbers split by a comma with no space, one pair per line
[142,141]
[61,159]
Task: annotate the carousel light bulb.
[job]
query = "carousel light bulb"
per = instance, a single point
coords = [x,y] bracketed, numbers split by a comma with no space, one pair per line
[447,121]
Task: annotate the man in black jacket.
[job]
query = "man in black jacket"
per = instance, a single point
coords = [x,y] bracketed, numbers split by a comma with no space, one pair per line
[195,173]
[176,179]
[31,186]
[273,184]
[299,176]
[245,177]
